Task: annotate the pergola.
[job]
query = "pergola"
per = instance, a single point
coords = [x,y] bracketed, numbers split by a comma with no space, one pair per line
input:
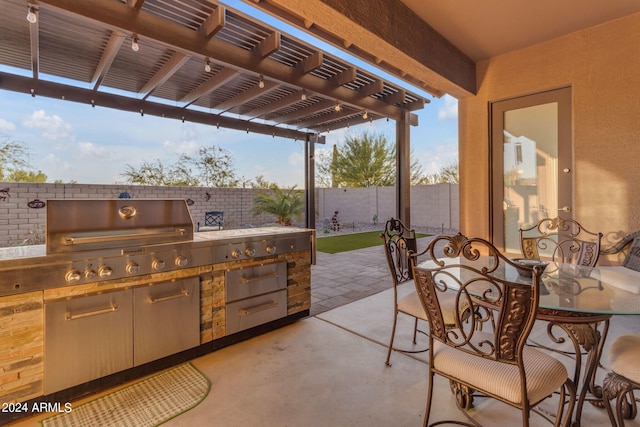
[198,61]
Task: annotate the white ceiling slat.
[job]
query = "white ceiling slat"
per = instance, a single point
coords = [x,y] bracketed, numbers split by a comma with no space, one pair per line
[210,85]
[168,69]
[245,96]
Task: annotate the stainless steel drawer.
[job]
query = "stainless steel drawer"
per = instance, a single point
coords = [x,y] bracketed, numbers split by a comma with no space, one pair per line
[166,319]
[250,312]
[87,338]
[257,280]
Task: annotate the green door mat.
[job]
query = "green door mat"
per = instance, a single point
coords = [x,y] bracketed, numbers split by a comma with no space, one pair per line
[148,402]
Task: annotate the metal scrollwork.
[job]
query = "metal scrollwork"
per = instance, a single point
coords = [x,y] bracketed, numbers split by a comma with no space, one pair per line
[620,388]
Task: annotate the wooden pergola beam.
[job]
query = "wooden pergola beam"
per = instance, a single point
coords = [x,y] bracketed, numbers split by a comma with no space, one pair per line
[90,98]
[401,43]
[108,55]
[165,72]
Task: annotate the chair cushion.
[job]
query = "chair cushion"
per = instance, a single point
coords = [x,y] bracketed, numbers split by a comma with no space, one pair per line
[411,305]
[545,374]
[624,355]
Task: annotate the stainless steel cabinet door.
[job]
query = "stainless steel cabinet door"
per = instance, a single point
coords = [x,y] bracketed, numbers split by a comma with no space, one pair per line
[166,320]
[87,338]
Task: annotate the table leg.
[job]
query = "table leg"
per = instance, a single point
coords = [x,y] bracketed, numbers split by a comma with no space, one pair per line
[587,333]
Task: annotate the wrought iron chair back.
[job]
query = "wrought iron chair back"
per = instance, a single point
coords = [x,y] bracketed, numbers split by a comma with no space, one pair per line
[398,241]
[562,240]
[475,271]
[214,219]
[630,243]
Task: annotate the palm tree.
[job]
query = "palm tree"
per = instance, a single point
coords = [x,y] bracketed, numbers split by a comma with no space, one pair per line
[284,206]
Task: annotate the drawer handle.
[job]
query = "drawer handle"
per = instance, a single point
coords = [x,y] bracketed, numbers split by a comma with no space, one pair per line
[258,308]
[183,293]
[245,280]
[69,316]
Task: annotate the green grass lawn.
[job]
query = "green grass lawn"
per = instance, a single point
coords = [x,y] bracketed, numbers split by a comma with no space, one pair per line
[349,242]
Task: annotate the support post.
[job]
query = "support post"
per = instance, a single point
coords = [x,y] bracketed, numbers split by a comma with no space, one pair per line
[403,169]
[310,181]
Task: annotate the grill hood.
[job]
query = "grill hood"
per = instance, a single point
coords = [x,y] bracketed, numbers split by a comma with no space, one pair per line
[76,225]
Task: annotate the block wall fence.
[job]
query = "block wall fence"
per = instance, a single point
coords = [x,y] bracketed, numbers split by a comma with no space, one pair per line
[23,221]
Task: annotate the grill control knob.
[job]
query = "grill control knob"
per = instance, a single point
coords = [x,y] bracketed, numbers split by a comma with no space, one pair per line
[73,276]
[133,268]
[235,254]
[89,274]
[249,252]
[105,272]
[182,261]
[271,249]
[158,264]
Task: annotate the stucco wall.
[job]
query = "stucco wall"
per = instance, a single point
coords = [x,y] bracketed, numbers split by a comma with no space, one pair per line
[601,66]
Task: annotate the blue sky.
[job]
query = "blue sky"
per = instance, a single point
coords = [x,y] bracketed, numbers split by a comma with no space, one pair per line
[74,142]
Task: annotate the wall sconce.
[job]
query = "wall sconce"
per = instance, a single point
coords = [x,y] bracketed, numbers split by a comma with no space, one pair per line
[207,66]
[261,82]
[134,43]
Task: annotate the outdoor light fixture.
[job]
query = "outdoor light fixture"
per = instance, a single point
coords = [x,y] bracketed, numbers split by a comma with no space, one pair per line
[31,15]
[365,115]
[134,43]
[142,112]
[207,66]
[303,97]
[93,104]
[261,82]
[338,107]
[33,92]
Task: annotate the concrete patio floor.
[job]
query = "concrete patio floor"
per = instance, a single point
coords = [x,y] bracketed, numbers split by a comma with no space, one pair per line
[328,369]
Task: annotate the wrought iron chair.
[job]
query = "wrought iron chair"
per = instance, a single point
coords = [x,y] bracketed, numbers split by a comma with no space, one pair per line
[623,380]
[398,241]
[627,242]
[497,363]
[212,219]
[567,241]
[561,240]
[624,352]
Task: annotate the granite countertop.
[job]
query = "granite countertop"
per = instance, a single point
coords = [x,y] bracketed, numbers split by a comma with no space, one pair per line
[36,251]
[18,252]
[246,232]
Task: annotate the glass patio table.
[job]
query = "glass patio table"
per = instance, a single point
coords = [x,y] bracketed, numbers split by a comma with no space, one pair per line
[580,301]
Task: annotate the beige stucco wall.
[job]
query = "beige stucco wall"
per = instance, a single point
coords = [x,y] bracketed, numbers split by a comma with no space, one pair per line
[602,66]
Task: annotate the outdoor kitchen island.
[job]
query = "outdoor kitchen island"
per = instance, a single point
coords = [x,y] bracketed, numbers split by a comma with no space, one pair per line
[57,339]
